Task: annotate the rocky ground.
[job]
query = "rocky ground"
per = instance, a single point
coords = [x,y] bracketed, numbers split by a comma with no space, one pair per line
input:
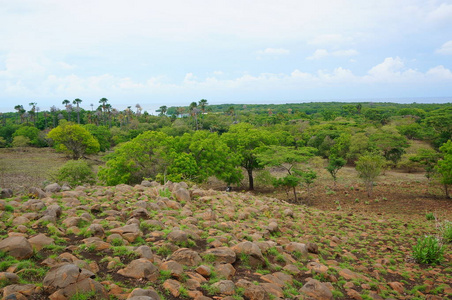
[173,241]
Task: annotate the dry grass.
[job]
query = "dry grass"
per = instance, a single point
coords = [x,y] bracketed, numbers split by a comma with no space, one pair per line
[21,169]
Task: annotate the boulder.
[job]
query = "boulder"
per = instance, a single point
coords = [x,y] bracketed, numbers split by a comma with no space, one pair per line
[52,188]
[225,287]
[61,276]
[143,294]
[40,241]
[6,193]
[317,290]
[129,232]
[17,246]
[182,195]
[140,268]
[186,257]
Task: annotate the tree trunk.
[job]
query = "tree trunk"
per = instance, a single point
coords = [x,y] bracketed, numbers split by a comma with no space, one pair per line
[295,194]
[250,179]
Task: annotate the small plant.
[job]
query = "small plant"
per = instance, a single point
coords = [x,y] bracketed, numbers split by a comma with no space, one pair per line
[428,250]
[430,216]
[356,200]
[165,193]
[446,231]
[84,296]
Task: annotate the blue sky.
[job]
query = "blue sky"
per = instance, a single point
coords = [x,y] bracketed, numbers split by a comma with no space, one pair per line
[249,51]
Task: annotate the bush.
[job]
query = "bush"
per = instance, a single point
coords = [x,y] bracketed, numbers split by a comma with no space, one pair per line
[76,172]
[428,250]
[446,231]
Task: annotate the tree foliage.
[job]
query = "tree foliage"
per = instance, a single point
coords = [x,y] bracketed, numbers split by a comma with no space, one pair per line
[74,140]
[444,166]
[369,167]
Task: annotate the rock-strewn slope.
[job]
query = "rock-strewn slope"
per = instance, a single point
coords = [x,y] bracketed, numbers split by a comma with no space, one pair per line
[163,242]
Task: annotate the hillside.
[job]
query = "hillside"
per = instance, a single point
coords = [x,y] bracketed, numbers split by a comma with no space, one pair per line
[173,241]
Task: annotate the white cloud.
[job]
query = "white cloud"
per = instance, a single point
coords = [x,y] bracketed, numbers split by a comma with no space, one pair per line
[273,51]
[441,13]
[322,53]
[446,48]
[439,73]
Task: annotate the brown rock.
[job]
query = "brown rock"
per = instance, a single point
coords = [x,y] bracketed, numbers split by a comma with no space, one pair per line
[140,268]
[273,289]
[129,232]
[38,242]
[176,268]
[397,286]
[177,236]
[204,270]
[182,195]
[254,292]
[172,286]
[8,278]
[222,254]
[19,291]
[225,287]
[150,293]
[250,249]
[317,290]
[225,270]
[61,276]
[17,246]
[186,257]
[82,286]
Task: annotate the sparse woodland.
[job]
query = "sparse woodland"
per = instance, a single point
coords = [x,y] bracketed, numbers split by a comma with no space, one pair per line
[329,201]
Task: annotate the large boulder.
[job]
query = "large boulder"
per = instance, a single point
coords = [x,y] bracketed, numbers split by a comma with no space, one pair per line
[316,290]
[6,193]
[140,268]
[186,257]
[52,188]
[17,246]
[222,254]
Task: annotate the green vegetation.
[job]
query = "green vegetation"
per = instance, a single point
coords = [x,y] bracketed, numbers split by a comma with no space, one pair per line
[75,173]
[428,250]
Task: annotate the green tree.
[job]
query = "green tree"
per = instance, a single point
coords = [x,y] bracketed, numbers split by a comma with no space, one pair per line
[102,134]
[247,141]
[74,140]
[390,143]
[369,166]
[32,133]
[444,166]
[143,157]
[334,165]
[287,158]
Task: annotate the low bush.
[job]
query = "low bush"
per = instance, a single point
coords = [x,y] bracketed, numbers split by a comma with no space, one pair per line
[75,173]
[428,250]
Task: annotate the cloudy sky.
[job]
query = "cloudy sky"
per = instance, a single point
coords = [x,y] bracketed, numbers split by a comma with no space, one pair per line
[236,51]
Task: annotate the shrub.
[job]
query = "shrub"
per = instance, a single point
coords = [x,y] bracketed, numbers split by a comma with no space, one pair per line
[430,216]
[446,231]
[75,172]
[428,250]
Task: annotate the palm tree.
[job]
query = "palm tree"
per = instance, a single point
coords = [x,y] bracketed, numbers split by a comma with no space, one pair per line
[203,104]
[138,107]
[163,109]
[53,111]
[19,109]
[77,102]
[33,110]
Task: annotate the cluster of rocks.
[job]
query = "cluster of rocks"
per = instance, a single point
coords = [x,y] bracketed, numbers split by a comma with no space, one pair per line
[176,241]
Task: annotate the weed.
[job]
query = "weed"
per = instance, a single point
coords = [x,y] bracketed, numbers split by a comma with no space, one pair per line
[165,193]
[446,231]
[209,257]
[428,250]
[211,290]
[84,296]
[430,216]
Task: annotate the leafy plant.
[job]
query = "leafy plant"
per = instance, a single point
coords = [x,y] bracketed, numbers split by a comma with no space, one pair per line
[428,250]
[430,216]
[75,173]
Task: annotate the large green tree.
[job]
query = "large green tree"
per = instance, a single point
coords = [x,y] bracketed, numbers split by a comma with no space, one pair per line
[74,140]
[288,158]
[247,141]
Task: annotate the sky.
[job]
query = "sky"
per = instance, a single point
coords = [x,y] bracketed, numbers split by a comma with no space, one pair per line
[173,52]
